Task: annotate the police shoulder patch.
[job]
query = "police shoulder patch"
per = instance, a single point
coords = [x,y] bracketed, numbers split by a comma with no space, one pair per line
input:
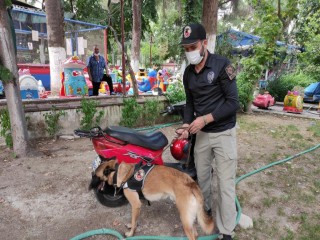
[231,72]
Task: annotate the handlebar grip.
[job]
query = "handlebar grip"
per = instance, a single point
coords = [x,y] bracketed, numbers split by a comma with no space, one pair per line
[85,133]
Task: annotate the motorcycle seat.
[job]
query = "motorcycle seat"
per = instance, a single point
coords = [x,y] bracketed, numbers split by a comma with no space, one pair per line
[151,140]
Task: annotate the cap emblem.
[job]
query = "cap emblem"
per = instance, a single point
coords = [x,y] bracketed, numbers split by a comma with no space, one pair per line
[187,32]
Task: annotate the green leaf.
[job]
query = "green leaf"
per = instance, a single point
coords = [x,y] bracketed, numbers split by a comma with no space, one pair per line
[5,74]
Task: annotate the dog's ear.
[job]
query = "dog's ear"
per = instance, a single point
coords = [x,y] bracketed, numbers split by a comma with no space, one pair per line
[106,165]
[125,171]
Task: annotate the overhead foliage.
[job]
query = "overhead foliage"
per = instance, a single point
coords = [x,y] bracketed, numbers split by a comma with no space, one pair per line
[192,11]
[269,27]
[308,35]
[94,11]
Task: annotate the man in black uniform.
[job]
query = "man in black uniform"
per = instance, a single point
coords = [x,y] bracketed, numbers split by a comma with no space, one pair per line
[211,105]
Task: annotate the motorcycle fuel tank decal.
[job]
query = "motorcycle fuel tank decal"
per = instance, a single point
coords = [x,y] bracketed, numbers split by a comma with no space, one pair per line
[132,155]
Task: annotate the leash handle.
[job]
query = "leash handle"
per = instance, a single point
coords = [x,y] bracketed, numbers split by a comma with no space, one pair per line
[189,151]
[184,128]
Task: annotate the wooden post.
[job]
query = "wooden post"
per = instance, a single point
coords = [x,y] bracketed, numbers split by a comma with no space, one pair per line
[106,43]
[123,58]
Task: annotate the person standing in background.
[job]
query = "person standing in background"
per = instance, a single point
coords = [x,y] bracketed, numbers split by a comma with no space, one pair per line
[96,66]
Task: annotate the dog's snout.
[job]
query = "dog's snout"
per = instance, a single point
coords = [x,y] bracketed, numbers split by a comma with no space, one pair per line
[95,182]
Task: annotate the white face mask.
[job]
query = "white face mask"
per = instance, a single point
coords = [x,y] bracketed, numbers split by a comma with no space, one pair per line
[96,54]
[194,57]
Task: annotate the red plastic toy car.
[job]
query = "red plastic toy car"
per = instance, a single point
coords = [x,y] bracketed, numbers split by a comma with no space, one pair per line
[264,100]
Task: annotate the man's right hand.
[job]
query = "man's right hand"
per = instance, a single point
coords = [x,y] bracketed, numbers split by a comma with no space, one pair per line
[183,132]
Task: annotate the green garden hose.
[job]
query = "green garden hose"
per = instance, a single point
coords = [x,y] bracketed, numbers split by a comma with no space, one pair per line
[156,127]
[211,237]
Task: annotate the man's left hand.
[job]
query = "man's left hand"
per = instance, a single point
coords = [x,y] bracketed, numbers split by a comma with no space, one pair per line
[196,125]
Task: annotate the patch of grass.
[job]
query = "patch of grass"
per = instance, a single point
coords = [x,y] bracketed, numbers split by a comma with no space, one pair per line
[267,227]
[275,156]
[315,128]
[284,198]
[316,184]
[247,126]
[249,159]
[316,171]
[290,194]
[267,184]
[307,198]
[298,218]
[281,212]
[285,132]
[268,202]
[310,228]
[244,197]
[289,236]
[297,136]
[297,144]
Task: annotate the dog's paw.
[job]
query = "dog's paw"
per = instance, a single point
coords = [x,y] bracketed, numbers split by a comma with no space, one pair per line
[129,225]
[129,234]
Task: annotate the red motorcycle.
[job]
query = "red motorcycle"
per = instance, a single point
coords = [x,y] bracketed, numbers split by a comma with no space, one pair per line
[132,146]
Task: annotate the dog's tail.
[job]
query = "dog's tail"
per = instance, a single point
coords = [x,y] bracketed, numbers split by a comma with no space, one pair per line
[205,221]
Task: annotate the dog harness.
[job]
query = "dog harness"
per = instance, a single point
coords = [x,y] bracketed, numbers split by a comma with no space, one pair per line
[136,182]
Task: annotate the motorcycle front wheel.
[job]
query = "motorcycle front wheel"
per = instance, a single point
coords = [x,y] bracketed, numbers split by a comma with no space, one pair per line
[108,199]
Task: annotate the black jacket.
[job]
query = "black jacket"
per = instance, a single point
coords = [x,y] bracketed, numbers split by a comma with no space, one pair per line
[212,90]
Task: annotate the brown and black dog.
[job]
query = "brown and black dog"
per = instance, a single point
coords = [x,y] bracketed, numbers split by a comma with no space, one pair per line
[161,182]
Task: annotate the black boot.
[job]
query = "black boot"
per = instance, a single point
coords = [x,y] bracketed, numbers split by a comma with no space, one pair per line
[227,237]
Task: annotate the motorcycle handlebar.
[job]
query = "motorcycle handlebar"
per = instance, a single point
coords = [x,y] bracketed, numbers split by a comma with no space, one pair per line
[93,132]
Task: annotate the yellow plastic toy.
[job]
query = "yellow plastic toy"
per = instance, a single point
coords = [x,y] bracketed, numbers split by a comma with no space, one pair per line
[293,102]
[103,87]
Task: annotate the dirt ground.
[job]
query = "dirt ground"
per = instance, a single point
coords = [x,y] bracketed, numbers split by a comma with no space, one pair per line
[46,196]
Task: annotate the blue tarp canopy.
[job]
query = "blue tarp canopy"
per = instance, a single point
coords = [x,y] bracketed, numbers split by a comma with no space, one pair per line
[312,92]
[313,89]
[244,40]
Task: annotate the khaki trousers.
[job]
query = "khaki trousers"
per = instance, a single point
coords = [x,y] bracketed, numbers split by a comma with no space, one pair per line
[218,151]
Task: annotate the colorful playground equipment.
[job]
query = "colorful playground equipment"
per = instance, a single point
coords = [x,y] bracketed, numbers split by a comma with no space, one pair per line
[264,100]
[28,85]
[152,80]
[163,79]
[293,102]
[73,82]
[1,90]
[116,76]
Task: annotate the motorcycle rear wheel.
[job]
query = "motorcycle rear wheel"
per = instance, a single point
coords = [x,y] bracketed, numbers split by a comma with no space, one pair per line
[107,198]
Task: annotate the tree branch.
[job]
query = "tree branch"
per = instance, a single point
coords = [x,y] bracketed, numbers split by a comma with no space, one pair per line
[224,2]
[133,77]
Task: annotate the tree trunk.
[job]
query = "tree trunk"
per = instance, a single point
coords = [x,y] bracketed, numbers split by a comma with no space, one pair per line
[57,52]
[133,77]
[42,46]
[136,34]
[210,21]
[12,89]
